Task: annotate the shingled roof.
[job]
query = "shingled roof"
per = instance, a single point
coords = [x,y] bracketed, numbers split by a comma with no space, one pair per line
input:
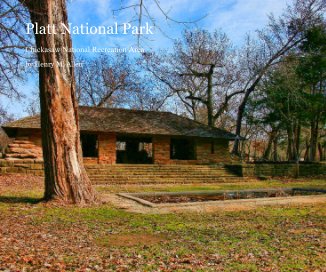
[127,121]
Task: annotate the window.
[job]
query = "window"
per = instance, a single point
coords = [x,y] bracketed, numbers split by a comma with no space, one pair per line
[121,146]
[146,148]
[182,149]
[89,145]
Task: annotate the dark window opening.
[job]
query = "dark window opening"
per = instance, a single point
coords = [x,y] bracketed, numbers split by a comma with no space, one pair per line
[134,150]
[212,147]
[89,145]
[182,149]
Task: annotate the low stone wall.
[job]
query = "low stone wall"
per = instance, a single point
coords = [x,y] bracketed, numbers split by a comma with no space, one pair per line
[278,169]
[28,166]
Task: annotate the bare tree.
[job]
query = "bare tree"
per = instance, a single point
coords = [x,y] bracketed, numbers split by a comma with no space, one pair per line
[13,53]
[200,71]
[13,45]
[117,81]
[281,36]
[150,96]
[141,11]
[104,80]
[5,116]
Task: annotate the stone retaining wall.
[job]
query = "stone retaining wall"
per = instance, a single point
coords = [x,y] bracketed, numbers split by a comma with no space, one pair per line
[279,169]
[28,166]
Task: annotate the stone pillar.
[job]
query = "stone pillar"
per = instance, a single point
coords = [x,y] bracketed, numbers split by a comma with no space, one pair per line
[107,148]
[161,147]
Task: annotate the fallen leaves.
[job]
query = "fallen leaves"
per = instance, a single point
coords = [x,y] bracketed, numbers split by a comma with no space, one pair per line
[42,237]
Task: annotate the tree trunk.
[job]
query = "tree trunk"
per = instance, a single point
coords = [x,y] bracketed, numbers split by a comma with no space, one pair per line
[290,153]
[209,105]
[268,149]
[314,129]
[240,114]
[65,176]
[320,151]
[297,138]
[306,153]
[275,143]
[313,139]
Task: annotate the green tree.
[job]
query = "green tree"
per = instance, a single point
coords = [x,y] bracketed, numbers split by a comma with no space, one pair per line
[283,99]
[311,71]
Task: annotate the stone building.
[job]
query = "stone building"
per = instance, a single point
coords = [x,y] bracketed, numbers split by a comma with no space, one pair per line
[111,136]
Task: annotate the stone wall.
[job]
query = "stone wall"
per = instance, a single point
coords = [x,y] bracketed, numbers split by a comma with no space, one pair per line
[26,145]
[33,135]
[22,148]
[32,141]
[278,169]
[161,148]
[26,166]
[204,155]
[220,151]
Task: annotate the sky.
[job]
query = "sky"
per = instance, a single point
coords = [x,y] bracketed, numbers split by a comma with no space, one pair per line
[234,17]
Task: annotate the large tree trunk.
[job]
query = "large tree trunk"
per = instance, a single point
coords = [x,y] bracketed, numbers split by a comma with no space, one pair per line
[306,153]
[65,176]
[314,128]
[275,144]
[320,151]
[268,150]
[297,140]
[290,147]
[209,105]
[240,114]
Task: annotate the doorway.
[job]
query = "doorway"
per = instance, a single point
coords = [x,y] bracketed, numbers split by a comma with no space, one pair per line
[134,150]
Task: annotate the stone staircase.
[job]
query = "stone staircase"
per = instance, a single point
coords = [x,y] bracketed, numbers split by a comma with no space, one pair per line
[133,173]
[149,174]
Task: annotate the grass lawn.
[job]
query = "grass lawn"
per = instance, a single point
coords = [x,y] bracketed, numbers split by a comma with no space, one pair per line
[46,237]
[250,184]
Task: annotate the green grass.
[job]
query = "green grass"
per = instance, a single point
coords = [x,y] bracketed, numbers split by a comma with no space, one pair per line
[251,184]
[290,238]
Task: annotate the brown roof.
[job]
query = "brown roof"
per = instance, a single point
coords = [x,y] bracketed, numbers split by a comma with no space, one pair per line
[127,121]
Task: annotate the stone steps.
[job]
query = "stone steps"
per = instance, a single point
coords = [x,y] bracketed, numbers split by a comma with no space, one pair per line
[165,181]
[135,174]
[154,172]
[152,166]
[98,177]
[146,174]
[160,175]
